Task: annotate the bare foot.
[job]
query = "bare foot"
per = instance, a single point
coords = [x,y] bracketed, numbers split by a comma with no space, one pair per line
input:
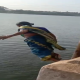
[55,57]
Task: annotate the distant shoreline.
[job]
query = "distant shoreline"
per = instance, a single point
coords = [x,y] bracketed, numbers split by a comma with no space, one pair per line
[54,13]
[42,14]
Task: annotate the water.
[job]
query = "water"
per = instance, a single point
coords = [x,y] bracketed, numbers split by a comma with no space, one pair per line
[16,60]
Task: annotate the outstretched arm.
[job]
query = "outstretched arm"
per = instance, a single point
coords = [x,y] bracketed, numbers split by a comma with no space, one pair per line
[16,34]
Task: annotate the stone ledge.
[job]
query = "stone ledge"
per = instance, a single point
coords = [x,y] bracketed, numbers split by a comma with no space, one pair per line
[62,70]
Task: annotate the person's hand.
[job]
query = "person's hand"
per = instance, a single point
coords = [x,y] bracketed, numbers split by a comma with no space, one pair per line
[4,37]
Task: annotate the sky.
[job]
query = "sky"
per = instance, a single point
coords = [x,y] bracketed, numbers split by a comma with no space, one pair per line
[43,5]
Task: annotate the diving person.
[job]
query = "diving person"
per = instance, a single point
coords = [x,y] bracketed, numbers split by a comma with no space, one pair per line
[37,43]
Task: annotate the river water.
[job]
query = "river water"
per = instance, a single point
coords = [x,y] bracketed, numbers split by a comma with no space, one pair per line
[16,60]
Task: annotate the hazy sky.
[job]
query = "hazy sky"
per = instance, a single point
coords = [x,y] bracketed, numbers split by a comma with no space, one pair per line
[44,5]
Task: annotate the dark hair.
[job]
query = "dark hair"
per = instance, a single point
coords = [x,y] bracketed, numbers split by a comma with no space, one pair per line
[24,23]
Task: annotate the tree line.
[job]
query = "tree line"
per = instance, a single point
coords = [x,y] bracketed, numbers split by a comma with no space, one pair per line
[20,11]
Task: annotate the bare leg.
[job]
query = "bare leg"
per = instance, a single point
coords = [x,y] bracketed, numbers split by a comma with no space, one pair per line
[77,51]
[52,59]
[55,57]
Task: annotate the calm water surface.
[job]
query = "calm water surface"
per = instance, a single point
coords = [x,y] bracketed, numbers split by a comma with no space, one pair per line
[16,60]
